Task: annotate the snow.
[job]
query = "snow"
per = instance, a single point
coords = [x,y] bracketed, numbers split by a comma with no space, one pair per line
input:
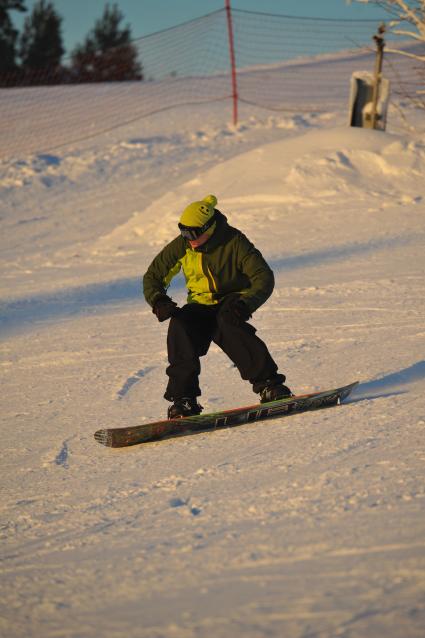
[307,526]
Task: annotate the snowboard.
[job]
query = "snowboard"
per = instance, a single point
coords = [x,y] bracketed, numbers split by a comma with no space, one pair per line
[146,432]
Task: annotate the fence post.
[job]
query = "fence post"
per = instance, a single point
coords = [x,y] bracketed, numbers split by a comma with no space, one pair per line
[380,43]
[232,62]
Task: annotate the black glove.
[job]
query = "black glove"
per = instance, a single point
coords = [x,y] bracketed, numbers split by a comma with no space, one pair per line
[235,311]
[164,308]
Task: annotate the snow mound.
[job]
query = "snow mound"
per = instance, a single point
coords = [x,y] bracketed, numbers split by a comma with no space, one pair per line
[279,177]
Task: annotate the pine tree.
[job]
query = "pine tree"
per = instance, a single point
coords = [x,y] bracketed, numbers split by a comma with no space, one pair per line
[107,53]
[41,47]
[8,35]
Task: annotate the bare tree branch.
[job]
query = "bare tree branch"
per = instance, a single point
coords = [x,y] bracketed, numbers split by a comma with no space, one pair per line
[412,11]
[409,34]
[421,58]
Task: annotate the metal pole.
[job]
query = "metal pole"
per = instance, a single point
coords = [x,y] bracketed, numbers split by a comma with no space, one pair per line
[380,43]
[232,62]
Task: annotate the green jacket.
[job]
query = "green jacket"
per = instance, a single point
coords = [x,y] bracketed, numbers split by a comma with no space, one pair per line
[227,263]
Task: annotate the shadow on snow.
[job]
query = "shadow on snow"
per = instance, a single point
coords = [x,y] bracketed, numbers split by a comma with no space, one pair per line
[390,385]
[338,253]
[22,313]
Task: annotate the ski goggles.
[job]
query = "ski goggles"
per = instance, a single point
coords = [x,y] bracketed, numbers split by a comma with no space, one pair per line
[194,232]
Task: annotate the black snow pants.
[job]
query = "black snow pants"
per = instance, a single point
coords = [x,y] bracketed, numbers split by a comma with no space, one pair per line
[190,334]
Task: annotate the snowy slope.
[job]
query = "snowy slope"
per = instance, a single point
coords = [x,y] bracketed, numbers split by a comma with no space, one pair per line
[309,526]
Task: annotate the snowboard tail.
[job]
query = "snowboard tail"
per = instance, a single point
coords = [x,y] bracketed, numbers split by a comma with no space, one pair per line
[146,432]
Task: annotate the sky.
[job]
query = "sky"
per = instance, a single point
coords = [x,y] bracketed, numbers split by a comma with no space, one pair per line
[148,16]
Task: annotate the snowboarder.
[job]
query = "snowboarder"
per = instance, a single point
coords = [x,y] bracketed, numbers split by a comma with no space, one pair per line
[227,280]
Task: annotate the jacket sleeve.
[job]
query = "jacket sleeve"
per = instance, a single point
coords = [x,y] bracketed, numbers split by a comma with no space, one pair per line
[259,273]
[161,271]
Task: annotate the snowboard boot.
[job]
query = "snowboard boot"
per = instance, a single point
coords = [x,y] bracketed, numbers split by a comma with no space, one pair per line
[275,392]
[186,406]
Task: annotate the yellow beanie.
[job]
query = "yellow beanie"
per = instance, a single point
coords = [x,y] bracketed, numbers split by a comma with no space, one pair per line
[198,213]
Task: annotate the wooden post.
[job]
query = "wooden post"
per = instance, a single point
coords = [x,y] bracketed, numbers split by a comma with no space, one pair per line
[232,62]
[380,43]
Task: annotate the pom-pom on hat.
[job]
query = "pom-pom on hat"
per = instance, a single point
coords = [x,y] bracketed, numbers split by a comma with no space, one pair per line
[197,214]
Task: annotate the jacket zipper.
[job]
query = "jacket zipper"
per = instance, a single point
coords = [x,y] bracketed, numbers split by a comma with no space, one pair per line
[214,285]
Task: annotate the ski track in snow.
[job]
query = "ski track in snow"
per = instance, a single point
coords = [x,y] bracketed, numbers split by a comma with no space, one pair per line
[62,457]
[132,380]
[311,525]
